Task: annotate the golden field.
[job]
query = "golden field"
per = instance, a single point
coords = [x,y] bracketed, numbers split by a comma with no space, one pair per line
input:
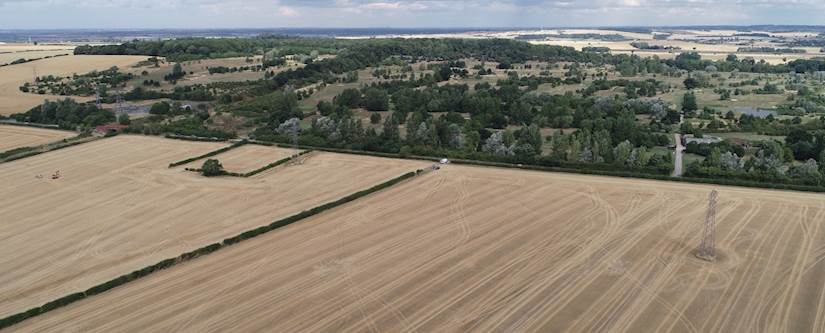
[117,207]
[12,137]
[496,250]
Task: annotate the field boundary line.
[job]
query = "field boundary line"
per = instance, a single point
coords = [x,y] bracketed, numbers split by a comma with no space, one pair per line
[202,251]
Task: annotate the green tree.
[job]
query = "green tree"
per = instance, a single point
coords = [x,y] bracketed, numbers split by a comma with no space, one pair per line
[160,108]
[211,168]
[689,103]
[123,119]
[350,98]
[531,135]
[376,100]
[375,118]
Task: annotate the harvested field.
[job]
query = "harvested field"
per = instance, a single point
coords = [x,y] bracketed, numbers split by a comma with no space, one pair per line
[12,100]
[246,158]
[12,137]
[483,249]
[118,207]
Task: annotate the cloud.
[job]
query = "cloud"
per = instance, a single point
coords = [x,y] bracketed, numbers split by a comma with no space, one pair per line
[400,13]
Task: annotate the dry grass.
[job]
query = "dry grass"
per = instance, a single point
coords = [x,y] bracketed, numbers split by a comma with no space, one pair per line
[482,249]
[117,208]
[12,100]
[12,137]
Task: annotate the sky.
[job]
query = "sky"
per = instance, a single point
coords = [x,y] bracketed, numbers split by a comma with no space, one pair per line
[127,14]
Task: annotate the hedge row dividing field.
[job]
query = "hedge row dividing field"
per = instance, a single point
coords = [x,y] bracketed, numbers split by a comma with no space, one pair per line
[163,264]
[117,207]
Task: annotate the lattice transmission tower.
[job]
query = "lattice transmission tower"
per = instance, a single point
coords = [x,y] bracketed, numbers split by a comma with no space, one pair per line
[707,250]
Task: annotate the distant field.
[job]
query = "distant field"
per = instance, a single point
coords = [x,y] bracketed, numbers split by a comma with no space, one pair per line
[6,58]
[686,41]
[12,137]
[12,52]
[117,208]
[12,100]
[446,252]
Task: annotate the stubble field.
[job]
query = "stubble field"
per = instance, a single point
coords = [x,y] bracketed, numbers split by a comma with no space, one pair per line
[12,137]
[247,158]
[483,249]
[117,208]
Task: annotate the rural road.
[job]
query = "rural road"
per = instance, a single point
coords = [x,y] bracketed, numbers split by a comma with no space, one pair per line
[680,151]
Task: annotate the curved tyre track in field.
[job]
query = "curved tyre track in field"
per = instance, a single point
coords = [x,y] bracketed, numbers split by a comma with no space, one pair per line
[498,250]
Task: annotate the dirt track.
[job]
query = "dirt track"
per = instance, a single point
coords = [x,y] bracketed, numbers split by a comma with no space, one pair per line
[117,208]
[482,249]
[12,137]
[12,100]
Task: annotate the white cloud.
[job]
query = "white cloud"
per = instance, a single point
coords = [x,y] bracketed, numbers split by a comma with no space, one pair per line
[401,13]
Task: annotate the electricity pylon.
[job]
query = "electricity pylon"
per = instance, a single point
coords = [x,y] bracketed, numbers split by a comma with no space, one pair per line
[707,250]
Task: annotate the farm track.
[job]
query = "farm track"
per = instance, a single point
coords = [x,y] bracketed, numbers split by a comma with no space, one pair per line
[486,249]
[118,208]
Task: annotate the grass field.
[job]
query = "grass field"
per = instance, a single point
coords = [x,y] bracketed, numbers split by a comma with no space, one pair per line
[12,100]
[484,249]
[118,207]
[12,137]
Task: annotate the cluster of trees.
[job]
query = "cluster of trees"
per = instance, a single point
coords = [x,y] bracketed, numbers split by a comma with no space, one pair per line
[772,163]
[189,125]
[632,88]
[79,85]
[647,46]
[766,49]
[197,92]
[176,74]
[185,49]
[67,114]
[235,69]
